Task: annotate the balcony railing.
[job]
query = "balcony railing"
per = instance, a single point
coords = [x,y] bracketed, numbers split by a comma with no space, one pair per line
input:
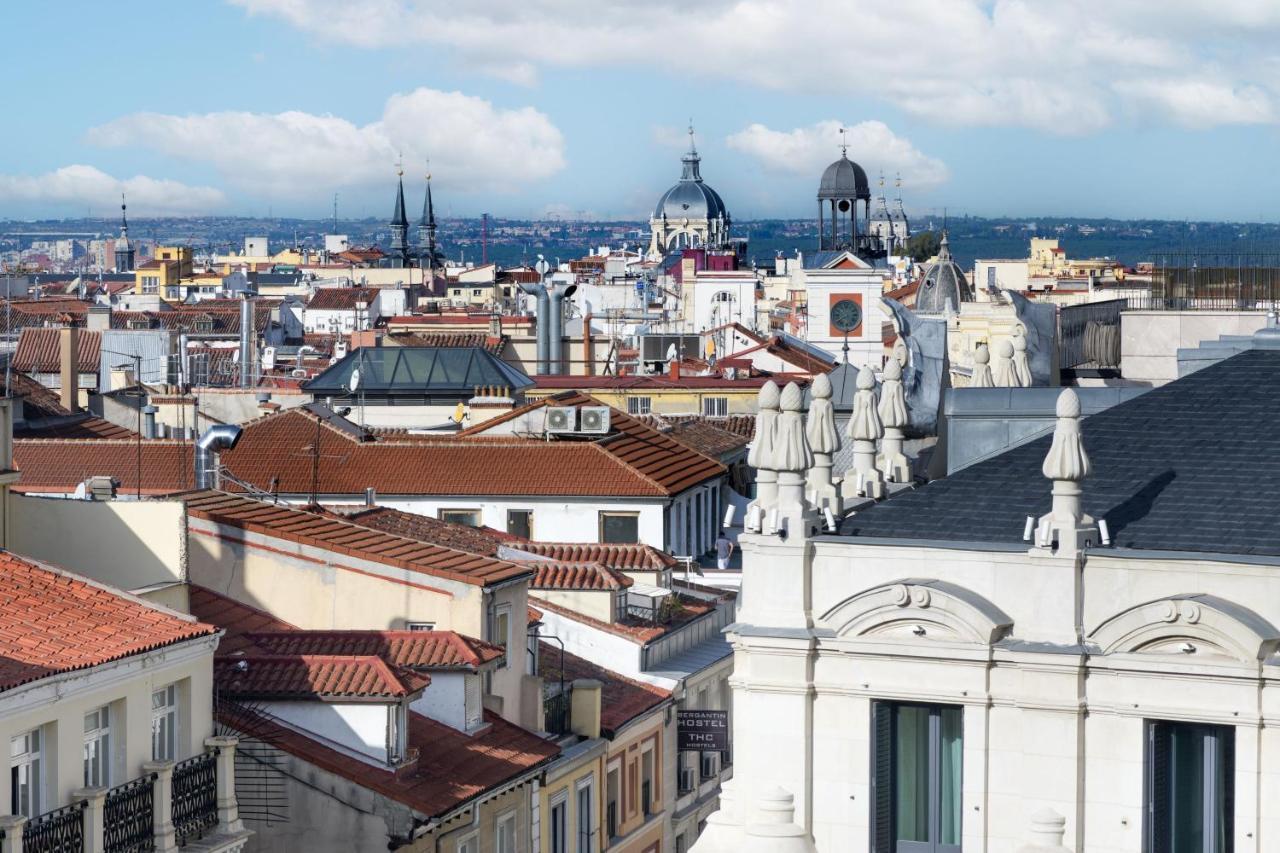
[195,797]
[58,831]
[556,713]
[128,818]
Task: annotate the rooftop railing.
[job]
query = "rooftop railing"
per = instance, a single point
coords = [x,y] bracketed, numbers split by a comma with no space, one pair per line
[195,796]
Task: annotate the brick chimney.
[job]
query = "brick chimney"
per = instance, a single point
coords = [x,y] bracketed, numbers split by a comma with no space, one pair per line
[584,707]
[675,370]
[69,349]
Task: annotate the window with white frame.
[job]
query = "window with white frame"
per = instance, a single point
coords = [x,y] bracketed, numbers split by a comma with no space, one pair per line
[560,823]
[715,407]
[97,748]
[470,844]
[586,815]
[638,405]
[164,723]
[500,633]
[26,774]
[504,833]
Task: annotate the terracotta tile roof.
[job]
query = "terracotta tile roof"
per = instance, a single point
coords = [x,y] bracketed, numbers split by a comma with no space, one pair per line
[224,315]
[452,767]
[39,351]
[804,362]
[904,293]
[625,558]
[622,699]
[235,618]
[551,574]
[533,614]
[635,630]
[740,425]
[411,649]
[276,454]
[314,677]
[322,530]
[448,339]
[477,540]
[52,622]
[706,437]
[340,298]
[645,382]
[60,465]
[37,400]
[663,461]
[85,427]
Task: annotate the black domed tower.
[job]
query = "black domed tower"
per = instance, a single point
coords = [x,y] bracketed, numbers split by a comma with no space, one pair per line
[843,186]
[124,249]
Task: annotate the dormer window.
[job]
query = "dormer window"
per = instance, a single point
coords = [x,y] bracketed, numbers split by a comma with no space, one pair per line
[204,323]
[139,323]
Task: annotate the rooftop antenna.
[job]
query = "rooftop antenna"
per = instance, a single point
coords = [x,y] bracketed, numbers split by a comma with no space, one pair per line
[898,183]
[335,213]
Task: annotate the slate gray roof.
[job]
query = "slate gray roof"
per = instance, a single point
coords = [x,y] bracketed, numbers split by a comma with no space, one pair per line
[1191,466]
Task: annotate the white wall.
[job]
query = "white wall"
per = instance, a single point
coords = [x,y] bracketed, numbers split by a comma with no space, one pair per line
[360,728]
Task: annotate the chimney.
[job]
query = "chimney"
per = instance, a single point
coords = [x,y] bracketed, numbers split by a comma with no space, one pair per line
[97,318]
[69,346]
[584,707]
[675,369]
[149,421]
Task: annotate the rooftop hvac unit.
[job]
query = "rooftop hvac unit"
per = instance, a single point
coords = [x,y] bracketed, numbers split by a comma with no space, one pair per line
[561,419]
[594,419]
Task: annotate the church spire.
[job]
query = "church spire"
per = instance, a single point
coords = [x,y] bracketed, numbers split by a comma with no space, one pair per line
[691,160]
[124,219]
[124,249]
[399,225]
[427,228]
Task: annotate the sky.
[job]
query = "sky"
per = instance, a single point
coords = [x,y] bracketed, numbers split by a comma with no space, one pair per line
[1166,109]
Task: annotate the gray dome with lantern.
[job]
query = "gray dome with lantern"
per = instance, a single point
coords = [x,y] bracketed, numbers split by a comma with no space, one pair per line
[944,284]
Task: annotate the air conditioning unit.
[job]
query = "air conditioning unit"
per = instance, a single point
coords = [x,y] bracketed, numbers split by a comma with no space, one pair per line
[268,358]
[594,419]
[561,419]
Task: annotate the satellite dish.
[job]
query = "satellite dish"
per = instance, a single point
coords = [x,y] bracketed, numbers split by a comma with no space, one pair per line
[354,382]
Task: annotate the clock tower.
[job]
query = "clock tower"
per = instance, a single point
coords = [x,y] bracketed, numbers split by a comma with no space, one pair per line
[845,314]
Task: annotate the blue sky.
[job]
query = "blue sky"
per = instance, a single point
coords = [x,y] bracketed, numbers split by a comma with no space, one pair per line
[525,107]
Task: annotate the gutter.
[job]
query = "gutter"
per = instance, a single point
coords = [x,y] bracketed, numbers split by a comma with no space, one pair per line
[431,824]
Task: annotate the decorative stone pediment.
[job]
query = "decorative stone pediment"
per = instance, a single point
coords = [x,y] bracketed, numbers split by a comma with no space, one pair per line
[1192,626]
[920,608]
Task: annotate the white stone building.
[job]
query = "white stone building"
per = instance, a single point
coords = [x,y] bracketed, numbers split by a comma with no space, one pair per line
[1071,645]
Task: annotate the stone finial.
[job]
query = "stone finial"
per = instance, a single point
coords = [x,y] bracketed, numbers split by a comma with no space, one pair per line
[1002,374]
[1047,831]
[865,423]
[865,428]
[724,832]
[791,451]
[981,368]
[773,828]
[1067,459]
[824,440]
[893,415]
[1065,528]
[1021,363]
[761,454]
[821,426]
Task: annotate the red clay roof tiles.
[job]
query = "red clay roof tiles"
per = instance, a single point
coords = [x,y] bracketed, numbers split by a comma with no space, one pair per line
[58,465]
[552,574]
[235,618]
[412,649]
[53,622]
[326,532]
[621,699]
[40,351]
[314,677]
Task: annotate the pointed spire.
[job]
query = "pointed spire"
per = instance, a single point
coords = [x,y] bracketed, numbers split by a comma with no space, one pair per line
[398,217]
[844,146]
[691,160]
[124,219]
[428,208]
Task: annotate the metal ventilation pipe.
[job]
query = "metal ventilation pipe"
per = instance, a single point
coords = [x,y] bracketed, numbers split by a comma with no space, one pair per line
[370,496]
[215,439]
[149,421]
[543,320]
[555,344]
[246,343]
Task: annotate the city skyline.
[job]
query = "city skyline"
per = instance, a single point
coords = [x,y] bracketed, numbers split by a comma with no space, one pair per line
[989,108]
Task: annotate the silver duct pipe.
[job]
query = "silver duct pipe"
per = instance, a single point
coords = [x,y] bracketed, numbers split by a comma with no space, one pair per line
[555,344]
[542,318]
[215,439]
[246,343]
[149,421]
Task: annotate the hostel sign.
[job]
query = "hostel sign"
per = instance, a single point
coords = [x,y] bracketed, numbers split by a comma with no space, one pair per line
[702,731]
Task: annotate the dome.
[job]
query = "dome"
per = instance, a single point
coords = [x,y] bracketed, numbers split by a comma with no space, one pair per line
[844,179]
[943,282]
[690,200]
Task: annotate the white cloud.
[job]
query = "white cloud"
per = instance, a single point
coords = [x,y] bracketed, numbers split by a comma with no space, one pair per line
[872,144]
[471,145]
[1045,64]
[82,186]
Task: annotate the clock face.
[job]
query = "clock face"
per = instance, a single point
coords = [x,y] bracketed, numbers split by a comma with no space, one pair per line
[846,315]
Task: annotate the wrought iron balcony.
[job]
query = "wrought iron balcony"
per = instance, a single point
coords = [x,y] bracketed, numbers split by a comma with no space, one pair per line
[58,831]
[556,711]
[128,821]
[195,797]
